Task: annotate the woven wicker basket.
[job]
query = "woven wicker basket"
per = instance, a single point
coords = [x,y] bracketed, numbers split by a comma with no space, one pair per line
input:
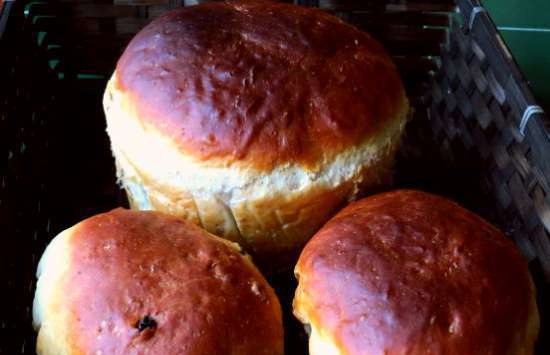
[477,135]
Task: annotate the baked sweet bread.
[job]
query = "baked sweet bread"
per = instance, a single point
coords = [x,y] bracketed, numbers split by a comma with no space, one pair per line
[255,120]
[134,282]
[407,272]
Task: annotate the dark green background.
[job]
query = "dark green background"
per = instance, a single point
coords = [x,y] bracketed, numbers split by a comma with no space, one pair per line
[525,26]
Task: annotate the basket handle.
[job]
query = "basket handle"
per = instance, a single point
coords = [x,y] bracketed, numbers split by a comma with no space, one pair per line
[475,11]
[529,112]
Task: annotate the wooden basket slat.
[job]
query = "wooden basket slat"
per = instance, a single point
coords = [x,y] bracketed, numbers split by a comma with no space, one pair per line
[398,19]
[142,2]
[134,3]
[403,33]
[80,2]
[405,47]
[114,41]
[90,25]
[77,10]
[381,6]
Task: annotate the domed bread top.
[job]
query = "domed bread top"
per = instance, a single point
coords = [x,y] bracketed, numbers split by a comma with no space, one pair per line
[127,282]
[259,83]
[407,272]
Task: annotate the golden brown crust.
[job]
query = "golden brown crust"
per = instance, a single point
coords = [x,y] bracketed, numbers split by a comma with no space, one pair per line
[259,82]
[200,296]
[407,272]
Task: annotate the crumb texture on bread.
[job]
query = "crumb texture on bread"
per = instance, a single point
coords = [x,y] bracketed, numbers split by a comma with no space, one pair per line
[134,282]
[407,272]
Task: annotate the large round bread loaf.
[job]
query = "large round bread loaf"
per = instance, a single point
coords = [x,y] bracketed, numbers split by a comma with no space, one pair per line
[255,120]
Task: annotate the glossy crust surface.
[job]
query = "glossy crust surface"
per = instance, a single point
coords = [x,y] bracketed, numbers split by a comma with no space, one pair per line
[255,120]
[407,272]
[260,83]
[127,282]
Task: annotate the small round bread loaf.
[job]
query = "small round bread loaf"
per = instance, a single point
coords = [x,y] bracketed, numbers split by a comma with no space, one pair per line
[407,272]
[256,120]
[130,282]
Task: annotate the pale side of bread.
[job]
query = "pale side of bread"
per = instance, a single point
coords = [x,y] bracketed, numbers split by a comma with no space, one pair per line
[48,298]
[269,213]
[322,344]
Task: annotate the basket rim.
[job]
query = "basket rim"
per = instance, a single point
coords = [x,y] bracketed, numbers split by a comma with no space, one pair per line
[5,10]
[475,16]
